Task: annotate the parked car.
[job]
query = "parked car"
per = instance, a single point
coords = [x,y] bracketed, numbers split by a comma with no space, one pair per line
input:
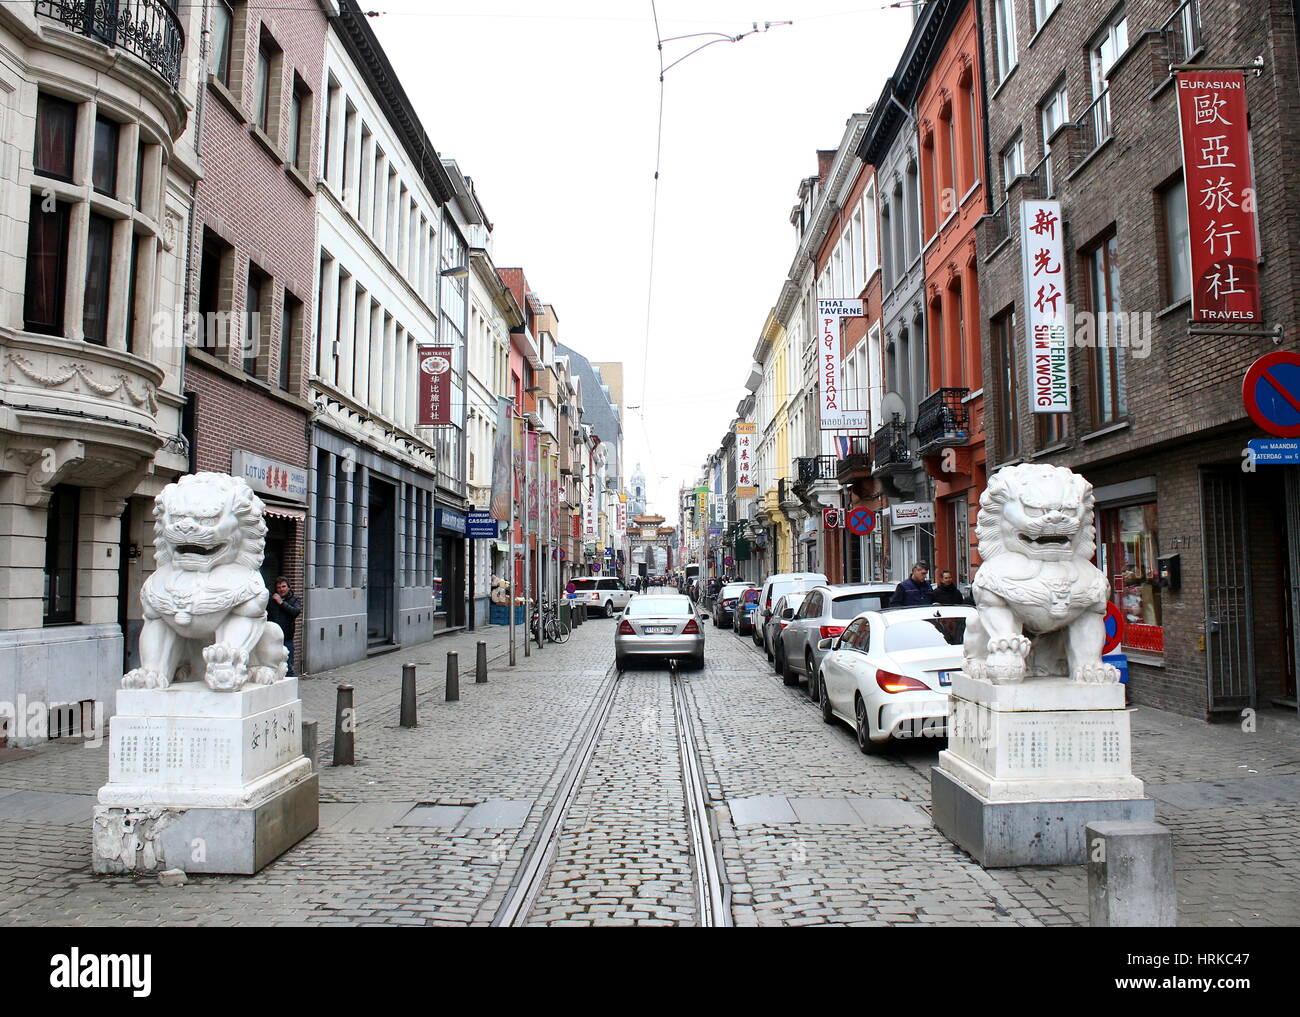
[782,615]
[603,593]
[659,625]
[724,606]
[746,611]
[774,587]
[889,673]
[823,615]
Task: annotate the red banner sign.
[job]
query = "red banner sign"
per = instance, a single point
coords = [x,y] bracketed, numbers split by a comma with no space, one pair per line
[434,379]
[1220,196]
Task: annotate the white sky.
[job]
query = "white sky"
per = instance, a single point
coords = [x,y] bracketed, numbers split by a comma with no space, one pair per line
[551,107]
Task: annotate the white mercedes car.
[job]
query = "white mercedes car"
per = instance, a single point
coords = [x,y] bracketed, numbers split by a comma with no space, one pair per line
[889,673]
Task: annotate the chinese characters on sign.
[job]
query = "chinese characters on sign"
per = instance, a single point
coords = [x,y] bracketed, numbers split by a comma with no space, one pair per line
[834,417]
[745,486]
[1042,241]
[1220,195]
[435,385]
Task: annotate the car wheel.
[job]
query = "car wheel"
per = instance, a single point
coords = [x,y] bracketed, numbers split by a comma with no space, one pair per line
[828,715]
[620,662]
[609,609]
[697,663]
[862,728]
[788,674]
[814,682]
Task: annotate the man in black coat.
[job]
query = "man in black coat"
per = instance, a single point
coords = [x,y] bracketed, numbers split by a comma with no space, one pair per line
[947,592]
[283,609]
[915,591]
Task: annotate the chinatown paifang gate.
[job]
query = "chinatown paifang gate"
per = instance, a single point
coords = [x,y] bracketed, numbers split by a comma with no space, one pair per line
[650,540]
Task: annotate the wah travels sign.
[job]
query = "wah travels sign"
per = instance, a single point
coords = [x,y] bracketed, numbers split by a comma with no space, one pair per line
[1046,311]
[1221,215]
[834,417]
[435,385]
[745,487]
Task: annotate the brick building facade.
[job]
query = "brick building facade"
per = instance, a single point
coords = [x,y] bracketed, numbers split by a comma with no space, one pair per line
[1082,109]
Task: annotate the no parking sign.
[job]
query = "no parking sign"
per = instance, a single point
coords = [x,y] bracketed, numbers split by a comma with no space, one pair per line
[861,521]
[1114,629]
[1271,393]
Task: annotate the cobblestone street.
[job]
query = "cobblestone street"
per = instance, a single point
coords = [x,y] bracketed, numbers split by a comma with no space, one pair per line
[433,824]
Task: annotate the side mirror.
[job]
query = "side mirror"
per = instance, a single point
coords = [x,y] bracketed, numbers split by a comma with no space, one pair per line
[826,644]
[788,613]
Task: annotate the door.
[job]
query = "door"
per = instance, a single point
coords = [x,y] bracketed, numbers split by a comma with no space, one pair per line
[1229,627]
[381,546]
[1291,615]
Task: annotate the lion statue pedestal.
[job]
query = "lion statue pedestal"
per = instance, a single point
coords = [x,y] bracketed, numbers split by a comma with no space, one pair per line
[206,768]
[1038,736]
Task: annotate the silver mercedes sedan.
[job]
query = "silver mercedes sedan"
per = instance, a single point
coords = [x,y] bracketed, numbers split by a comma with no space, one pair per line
[658,625]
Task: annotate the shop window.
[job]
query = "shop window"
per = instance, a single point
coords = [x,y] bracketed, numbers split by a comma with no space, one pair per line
[61,527]
[47,266]
[56,137]
[1127,554]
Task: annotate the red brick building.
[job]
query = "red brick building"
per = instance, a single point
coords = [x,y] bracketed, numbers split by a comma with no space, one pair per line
[950,420]
[253,262]
[1203,555]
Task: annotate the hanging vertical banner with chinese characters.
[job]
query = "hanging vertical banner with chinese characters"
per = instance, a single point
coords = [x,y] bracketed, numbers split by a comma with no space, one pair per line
[701,509]
[834,417]
[745,486]
[1046,310]
[435,385]
[1220,195]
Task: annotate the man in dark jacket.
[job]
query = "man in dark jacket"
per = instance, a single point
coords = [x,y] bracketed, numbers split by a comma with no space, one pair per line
[916,591]
[283,609]
[947,592]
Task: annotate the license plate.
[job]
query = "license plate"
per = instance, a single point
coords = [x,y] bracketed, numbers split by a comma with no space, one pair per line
[658,630]
[945,677]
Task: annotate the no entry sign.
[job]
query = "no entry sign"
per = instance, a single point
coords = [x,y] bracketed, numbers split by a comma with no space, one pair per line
[861,521]
[1271,393]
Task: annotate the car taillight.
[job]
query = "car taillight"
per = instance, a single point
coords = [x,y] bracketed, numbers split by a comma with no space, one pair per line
[691,629]
[625,628]
[891,682]
[832,631]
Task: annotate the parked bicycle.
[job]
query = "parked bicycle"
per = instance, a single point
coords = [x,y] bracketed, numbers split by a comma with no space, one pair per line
[554,629]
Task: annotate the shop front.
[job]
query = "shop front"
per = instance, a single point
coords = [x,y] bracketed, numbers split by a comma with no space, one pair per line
[450,590]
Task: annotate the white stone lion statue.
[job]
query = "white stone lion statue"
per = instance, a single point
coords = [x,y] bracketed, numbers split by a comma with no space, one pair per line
[205,606]
[1041,601]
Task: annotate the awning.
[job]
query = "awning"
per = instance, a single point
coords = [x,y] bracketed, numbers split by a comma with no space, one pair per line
[284,511]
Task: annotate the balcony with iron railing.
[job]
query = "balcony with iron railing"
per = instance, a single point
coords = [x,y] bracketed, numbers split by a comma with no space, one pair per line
[814,468]
[1182,32]
[857,463]
[148,29]
[943,419]
[891,452]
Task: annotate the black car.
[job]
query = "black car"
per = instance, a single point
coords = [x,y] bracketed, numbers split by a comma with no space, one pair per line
[724,605]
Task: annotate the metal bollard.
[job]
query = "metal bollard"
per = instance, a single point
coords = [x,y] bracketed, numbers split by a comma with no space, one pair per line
[453,677]
[408,696]
[345,722]
[480,664]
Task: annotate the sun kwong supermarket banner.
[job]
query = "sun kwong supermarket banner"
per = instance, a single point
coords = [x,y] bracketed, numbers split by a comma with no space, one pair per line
[834,417]
[1042,241]
[435,385]
[1221,215]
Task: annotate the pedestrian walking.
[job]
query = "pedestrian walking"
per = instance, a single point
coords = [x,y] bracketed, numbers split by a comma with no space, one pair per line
[914,591]
[948,593]
[283,609]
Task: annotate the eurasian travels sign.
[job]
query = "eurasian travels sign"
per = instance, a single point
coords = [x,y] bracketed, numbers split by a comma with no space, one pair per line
[1221,213]
[834,417]
[435,385]
[1046,309]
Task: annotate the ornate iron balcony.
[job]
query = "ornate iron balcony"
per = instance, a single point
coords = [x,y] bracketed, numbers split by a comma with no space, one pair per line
[815,468]
[943,419]
[148,29]
[890,450]
[858,460]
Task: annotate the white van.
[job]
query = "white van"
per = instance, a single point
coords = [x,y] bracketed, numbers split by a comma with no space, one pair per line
[774,588]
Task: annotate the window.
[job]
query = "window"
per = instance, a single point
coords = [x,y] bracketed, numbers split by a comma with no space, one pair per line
[99,256]
[56,134]
[214,287]
[290,321]
[140,153]
[1053,112]
[133,269]
[1109,402]
[1013,162]
[1178,275]
[223,19]
[1043,10]
[298,106]
[47,267]
[1004,36]
[1106,48]
[960,518]
[1007,365]
[61,555]
[256,302]
[262,108]
[104,172]
[1127,555]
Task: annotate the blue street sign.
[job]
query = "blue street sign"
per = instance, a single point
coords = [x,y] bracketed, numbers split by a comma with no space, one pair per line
[481,525]
[1275,451]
